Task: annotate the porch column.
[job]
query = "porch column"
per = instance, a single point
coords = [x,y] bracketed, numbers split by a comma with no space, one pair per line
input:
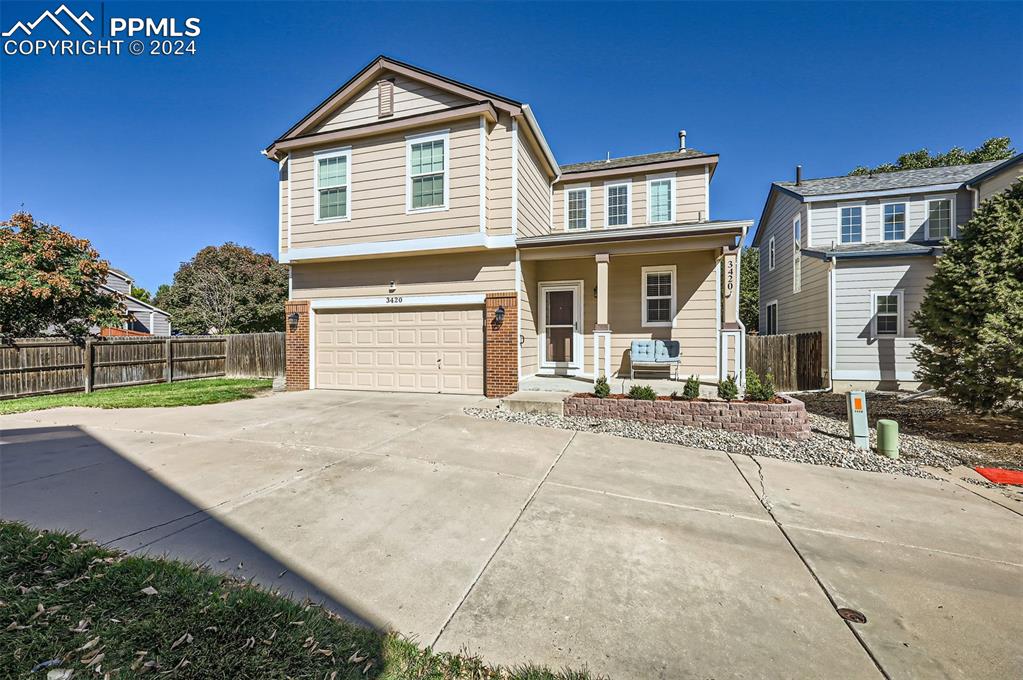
[731,335]
[601,330]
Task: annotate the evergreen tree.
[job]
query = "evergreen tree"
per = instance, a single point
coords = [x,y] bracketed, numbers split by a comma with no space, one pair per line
[971,317]
[994,149]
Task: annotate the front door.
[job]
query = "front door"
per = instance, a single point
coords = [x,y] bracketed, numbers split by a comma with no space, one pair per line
[561,322]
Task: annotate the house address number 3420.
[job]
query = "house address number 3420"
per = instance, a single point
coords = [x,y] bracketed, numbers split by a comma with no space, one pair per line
[393,299]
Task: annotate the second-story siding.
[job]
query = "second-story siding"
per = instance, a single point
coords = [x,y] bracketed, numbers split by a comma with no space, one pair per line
[499,176]
[534,215]
[411,97]
[377,200]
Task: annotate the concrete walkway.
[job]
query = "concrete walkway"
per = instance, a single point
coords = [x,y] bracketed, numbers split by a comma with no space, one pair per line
[631,558]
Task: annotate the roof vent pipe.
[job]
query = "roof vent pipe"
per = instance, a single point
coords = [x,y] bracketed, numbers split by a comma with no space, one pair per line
[799,175]
[681,140]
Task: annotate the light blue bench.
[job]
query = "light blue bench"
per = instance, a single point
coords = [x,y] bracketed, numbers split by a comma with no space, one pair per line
[655,353]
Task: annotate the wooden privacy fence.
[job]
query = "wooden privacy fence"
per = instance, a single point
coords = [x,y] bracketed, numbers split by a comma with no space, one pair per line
[794,360]
[50,365]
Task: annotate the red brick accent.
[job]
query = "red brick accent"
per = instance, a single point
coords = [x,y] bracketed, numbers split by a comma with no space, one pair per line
[783,421]
[296,346]
[501,344]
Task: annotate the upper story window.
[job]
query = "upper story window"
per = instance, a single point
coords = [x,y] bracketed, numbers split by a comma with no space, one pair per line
[616,204]
[770,254]
[893,222]
[660,199]
[887,313]
[658,295]
[852,224]
[577,208]
[427,176]
[333,181]
[797,255]
[939,219]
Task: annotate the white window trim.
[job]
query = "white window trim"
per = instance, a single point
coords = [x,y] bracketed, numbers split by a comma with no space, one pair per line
[663,269]
[346,152]
[863,221]
[797,255]
[906,228]
[770,254]
[650,179]
[441,135]
[767,331]
[607,202]
[951,216]
[874,294]
[589,206]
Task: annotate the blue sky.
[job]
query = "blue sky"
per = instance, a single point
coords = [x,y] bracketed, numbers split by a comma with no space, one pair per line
[152,158]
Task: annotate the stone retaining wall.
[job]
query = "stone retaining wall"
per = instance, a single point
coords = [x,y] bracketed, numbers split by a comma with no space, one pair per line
[784,421]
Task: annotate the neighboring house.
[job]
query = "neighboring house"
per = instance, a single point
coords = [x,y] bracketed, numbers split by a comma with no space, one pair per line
[851,257]
[436,245]
[141,316]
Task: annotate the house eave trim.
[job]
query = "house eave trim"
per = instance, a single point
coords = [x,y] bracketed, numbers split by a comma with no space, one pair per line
[900,191]
[638,169]
[390,301]
[733,228]
[473,241]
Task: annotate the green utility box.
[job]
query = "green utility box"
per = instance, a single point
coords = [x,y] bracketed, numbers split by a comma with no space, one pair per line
[888,438]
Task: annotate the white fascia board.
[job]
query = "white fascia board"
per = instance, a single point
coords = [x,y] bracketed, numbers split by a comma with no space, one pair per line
[904,191]
[467,241]
[135,299]
[460,299]
[544,146]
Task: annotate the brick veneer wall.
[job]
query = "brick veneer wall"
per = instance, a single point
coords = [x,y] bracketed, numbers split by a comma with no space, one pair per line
[296,346]
[501,358]
[784,421]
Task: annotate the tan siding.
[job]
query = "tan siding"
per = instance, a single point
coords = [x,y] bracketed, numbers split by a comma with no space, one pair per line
[527,315]
[694,323]
[534,195]
[690,198]
[282,196]
[1001,181]
[378,194]
[499,183]
[411,97]
[420,275]
[854,282]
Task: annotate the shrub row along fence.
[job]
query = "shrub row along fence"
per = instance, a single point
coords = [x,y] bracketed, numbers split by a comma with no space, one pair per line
[33,366]
[794,360]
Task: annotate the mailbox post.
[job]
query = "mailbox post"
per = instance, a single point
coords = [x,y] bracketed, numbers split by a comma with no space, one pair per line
[856,407]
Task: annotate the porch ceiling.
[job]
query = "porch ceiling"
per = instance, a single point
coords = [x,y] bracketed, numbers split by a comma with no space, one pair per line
[633,240]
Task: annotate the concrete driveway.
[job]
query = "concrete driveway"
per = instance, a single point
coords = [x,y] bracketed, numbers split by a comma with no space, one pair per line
[630,558]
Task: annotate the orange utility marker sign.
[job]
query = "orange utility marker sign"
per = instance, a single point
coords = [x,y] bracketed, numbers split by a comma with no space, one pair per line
[856,407]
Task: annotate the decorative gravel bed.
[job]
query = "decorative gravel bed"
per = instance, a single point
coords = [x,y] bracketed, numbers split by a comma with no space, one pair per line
[827,445]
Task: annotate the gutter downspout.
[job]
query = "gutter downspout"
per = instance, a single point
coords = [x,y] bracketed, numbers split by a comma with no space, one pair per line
[976,196]
[831,324]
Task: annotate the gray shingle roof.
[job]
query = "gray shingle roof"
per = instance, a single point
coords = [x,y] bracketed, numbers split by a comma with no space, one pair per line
[626,161]
[895,249]
[903,179]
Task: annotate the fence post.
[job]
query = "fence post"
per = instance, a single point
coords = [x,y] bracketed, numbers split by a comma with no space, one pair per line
[169,351]
[87,365]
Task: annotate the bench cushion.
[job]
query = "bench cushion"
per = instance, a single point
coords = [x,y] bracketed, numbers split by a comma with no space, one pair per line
[666,351]
[642,350]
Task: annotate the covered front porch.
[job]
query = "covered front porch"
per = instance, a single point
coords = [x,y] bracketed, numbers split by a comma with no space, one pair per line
[586,296]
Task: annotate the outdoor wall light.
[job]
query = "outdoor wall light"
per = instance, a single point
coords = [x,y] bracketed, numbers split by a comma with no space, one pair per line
[499,315]
[391,287]
[293,320]
[594,292]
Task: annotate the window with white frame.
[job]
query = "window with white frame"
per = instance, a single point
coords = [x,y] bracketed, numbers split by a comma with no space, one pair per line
[939,218]
[852,224]
[887,313]
[616,204]
[333,181]
[797,255]
[894,222]
[660,199]
[771,318]
[577,208]
[770,254]
[427,181]
[658,296]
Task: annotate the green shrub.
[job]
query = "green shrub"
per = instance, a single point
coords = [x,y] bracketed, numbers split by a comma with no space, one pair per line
[692,389]
[642,392]
[757,389]
[727,389]
[600,388]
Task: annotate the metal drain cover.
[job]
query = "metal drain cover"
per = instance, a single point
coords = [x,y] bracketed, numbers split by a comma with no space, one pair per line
[852,615]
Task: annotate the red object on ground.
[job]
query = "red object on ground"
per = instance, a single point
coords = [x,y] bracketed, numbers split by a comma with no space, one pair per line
[1001,476]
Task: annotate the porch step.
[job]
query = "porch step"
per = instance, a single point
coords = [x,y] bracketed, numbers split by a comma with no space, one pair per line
[551,403]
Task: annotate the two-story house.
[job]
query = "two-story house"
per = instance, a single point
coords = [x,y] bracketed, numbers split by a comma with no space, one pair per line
[851,256]
[140,316]
[436,245]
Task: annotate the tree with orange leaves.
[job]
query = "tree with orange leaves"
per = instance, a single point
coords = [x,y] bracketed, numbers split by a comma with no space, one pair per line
[50,282]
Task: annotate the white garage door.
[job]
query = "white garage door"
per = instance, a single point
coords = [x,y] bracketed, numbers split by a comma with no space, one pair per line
[421,350]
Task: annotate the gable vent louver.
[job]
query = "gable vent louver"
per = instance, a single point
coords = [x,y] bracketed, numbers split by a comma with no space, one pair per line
[385,98]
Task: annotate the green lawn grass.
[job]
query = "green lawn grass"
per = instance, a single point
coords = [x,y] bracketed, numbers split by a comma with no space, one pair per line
[184,393]
[65,598]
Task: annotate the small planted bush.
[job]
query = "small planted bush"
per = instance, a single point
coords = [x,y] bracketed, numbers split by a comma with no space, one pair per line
[642,392]
[727,389]
[757,389]
[692,389]
[600,388]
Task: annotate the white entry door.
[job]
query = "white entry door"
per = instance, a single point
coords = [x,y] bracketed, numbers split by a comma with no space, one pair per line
[561,322]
